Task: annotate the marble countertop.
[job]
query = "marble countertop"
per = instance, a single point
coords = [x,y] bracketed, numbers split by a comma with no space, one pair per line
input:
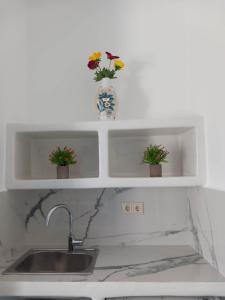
[125,271]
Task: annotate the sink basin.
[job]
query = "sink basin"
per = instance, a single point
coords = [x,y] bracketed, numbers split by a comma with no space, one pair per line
[49,261]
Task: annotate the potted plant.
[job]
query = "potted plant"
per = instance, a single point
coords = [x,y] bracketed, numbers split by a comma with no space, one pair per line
[63,158]
[154,155]
[106,98]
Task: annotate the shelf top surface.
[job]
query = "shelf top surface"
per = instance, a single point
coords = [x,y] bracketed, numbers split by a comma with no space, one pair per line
[154,122]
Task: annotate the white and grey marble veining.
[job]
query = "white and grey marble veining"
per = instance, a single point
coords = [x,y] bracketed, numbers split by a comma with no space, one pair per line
[38,207]
[204,238]
[152,266]
[166,298]
[98,218]
[93,215]
[194,229]
[12,237]
[173,216]
[138,264]
[207,206]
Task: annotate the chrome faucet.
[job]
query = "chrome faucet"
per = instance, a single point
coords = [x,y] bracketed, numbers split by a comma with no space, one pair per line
[72,242]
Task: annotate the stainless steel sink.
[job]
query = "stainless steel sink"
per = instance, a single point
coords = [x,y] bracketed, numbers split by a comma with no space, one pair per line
[49,261]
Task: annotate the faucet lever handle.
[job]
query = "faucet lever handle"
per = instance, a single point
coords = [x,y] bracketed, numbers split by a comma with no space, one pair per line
[78,243]
[73,243]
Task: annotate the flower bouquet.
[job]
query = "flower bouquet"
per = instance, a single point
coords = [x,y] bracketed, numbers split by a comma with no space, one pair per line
[106,98]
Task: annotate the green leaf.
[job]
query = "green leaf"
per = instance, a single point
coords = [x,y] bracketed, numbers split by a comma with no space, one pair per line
[155,154]
[63,157]
[104,73]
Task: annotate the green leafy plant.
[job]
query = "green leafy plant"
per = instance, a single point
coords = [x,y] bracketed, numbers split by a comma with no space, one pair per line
[63,157]
[105,73]
[155,154]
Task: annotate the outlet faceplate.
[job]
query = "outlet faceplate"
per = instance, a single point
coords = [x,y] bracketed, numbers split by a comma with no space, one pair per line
[133,207]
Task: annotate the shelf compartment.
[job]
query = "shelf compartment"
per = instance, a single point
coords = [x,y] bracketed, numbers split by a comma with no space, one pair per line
[109,153]
[32,151]
[126,149]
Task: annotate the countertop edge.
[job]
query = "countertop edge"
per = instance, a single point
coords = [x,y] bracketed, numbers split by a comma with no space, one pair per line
[101,290]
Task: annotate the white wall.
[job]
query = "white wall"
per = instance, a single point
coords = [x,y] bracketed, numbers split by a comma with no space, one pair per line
[149,36]
[206,73]
[13,67]
[173,50]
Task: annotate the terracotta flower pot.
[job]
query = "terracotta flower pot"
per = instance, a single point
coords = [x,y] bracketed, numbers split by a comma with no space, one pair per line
[155,170]
[62,172]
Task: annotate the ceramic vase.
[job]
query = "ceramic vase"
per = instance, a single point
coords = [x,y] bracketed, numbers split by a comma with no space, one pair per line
[106,100]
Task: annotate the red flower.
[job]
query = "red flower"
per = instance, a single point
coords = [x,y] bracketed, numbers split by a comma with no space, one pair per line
[93,64]
[110,56]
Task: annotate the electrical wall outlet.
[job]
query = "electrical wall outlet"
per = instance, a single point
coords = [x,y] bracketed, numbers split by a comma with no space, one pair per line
[138,208]
[133,207]
[127,207]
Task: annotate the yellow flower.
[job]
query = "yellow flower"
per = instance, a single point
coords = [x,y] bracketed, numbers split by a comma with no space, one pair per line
[118,64]
[95,56]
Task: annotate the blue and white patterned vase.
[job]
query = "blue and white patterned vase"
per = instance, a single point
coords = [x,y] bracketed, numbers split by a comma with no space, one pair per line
[106,100]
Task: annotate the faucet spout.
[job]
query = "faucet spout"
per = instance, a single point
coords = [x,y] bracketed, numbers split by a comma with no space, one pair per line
[53,209]
[72,243]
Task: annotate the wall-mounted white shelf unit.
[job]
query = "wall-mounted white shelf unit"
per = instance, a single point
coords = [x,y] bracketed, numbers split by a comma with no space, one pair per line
[109,153]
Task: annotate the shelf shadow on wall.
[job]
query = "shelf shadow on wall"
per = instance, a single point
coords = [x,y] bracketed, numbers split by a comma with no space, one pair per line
[135,103]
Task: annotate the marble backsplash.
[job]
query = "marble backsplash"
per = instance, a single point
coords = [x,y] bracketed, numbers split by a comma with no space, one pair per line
[172,216]
[208,207]
[12,232]
[99,220]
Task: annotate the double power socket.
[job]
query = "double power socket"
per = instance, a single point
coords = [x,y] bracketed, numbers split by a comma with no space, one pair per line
[133,208]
